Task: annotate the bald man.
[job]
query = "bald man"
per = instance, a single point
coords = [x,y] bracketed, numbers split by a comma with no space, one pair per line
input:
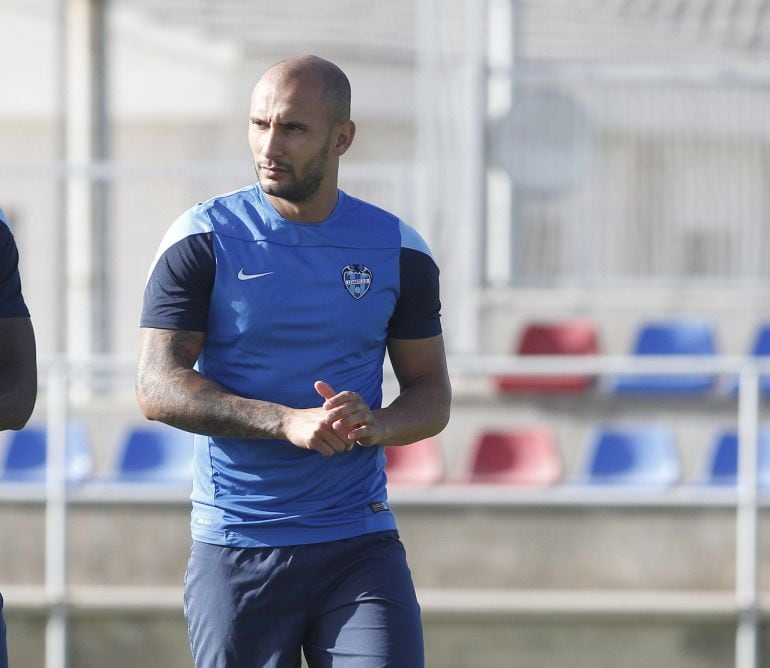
[267,315]
[18,365]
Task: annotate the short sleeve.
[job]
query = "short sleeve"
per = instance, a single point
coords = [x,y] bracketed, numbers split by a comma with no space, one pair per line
[179,285]
[12,303]
[418,310]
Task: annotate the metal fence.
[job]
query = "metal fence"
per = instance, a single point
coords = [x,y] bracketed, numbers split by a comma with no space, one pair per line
[66,383]
[628,175]
[628,143]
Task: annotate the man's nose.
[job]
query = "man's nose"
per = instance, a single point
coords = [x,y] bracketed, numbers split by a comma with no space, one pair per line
[272,144]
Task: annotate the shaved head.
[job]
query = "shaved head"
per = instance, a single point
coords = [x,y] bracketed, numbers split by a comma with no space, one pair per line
[299,126]
[334,84]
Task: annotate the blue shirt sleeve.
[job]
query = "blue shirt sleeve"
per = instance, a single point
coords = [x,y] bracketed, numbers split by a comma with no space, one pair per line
[11,301]
[178,290]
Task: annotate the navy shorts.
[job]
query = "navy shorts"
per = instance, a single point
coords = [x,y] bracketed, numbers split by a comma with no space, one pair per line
[347,603]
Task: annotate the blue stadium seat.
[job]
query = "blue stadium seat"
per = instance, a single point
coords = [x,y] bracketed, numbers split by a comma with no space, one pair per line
[673,337]
[759,348]
[643,456]
[155,454]
[722,460]
[25,455]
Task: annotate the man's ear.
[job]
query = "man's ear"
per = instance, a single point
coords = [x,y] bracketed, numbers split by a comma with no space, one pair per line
[344,137]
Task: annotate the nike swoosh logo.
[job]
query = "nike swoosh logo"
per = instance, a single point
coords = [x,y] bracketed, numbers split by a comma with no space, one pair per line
[248,277]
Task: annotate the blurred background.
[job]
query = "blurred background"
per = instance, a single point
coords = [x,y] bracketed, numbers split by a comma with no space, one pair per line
[591,176]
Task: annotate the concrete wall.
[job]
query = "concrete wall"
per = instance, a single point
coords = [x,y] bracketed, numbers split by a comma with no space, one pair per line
[478,641]
[550,550]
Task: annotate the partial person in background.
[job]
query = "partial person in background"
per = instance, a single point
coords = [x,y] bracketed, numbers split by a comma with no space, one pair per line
[18,364]
[267,315]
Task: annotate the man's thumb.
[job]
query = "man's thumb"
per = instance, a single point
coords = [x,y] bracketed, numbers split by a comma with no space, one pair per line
[324,389]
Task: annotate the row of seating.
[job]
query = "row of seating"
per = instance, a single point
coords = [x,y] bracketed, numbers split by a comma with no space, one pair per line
[155,453]
[660,338]
[637,455]
[640,455]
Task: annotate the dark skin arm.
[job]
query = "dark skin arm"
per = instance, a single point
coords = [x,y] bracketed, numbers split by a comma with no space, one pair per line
[420,410]
[171,391]
[18,372]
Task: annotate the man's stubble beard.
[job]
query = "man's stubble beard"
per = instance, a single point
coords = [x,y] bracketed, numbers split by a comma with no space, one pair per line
[307,187]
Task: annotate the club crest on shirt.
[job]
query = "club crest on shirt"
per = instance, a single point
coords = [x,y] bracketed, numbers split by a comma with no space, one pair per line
[357,279]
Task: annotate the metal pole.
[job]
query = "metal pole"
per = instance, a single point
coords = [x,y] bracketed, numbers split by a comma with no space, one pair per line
[85,125]
[56,518]
[60,260]
[427,122]
[102,260]
[467,266]
[79,202]
[515,252]
[746,642]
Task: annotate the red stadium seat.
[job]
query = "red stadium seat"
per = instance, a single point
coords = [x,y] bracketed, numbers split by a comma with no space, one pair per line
[521,456]
[420,463]
[571,337]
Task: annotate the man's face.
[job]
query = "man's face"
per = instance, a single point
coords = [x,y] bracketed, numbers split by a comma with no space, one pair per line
[289,134]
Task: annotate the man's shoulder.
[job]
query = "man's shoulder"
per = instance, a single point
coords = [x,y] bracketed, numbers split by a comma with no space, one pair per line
[390,224]
[369,211]
[223,208]
[7,242]
[6,236]
[412,240]
[230,198]
[375,222]
[228,214]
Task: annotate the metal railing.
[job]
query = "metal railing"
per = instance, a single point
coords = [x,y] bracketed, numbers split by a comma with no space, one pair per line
[62,378]
[749,370]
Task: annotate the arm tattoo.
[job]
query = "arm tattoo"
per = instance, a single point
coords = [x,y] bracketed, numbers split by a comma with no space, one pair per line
[182,397]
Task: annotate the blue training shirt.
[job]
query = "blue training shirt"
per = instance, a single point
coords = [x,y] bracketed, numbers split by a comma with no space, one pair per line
[284,304]
[11,301]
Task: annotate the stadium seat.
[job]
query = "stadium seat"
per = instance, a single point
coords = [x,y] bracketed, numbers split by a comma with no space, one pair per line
[521,456]
[571,337]
[643,456]
[760,348]
[25,455]
[158,454]
[722,459]
[420,463]
[673,337]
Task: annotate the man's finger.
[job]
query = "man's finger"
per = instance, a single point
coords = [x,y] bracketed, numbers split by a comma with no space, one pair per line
[345,401]
[324,389]
[329,445]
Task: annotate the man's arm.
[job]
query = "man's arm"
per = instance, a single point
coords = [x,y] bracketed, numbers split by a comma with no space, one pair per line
[169,390]
[421,408]
[18,372]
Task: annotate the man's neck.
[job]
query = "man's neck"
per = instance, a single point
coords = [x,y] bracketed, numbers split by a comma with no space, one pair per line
[316,210]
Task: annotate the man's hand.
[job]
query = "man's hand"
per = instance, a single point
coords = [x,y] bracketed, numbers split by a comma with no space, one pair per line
[350,416]
[343,421]
[311,429]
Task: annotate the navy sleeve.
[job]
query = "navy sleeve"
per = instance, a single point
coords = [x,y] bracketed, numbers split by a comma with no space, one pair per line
[179,287]
[11,301]
[418,310]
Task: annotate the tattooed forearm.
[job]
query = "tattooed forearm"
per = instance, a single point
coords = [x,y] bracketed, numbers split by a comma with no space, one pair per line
[216,412]
[171,391]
